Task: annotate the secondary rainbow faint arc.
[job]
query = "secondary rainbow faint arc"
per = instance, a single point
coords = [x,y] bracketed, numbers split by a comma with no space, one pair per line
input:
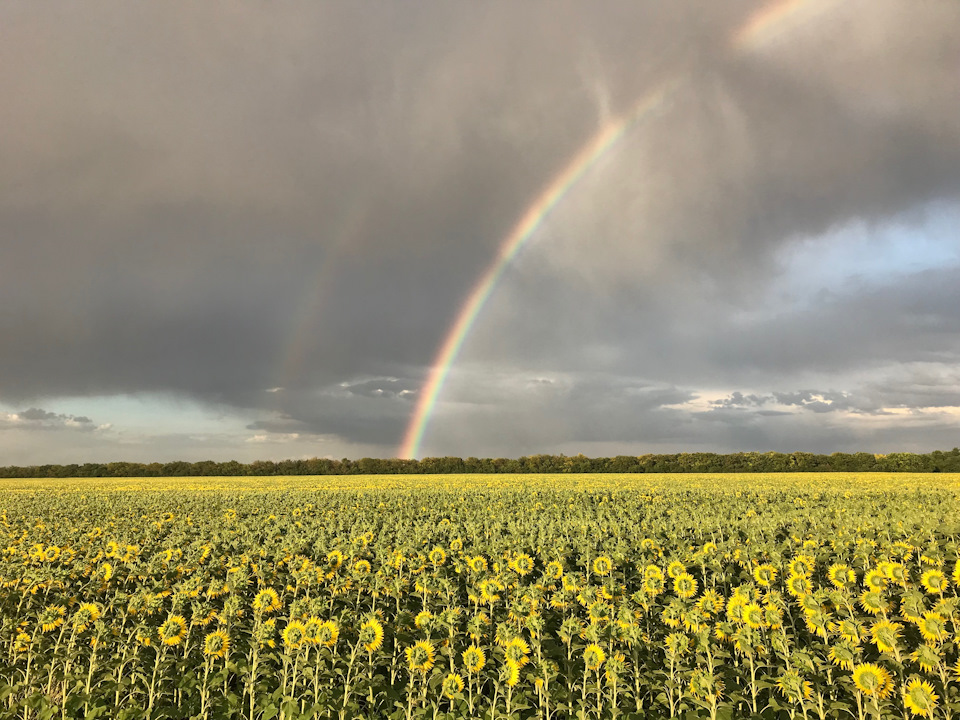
[534,216]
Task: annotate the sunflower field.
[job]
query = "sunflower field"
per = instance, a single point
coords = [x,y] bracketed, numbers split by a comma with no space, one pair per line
[533,596]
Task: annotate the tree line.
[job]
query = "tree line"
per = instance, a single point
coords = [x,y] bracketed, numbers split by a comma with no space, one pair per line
[937,461]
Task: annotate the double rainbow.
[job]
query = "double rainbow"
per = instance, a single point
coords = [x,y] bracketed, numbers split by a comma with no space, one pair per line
[760,28]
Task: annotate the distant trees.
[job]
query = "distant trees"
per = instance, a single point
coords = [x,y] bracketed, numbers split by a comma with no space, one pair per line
[937,461]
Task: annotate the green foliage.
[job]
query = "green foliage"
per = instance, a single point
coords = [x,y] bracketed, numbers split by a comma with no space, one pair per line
[936,461]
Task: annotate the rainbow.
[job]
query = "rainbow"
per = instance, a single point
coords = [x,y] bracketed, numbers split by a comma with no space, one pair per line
[769,22]
[760,28]
[534,216]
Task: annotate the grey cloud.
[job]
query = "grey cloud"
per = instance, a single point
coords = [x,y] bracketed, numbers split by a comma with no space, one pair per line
[37,414]
[211,199]
[39,419]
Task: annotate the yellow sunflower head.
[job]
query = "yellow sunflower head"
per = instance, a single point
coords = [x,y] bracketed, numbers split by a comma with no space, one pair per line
[267,601]
[765,575]
[294,635]
[452,686]
[420,656]
[919,697]
[685,585]
[216,644]
[173,630]
[371,635]
[473,659]
[934,581]
[593,657]
[602,565]
[872,680]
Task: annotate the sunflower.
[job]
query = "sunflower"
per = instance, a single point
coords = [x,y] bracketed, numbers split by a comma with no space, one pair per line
[216,644]
[553,570]
[934,582]
[885,635]
[420,656]
[327,633]
[685,585]
[85,616]
[802,565]
[694,620]
[810,603]
[872,680]
[52,617]
[265,633]
[593,656]
[473,659]
[522,564]
[653,585]
[438,556]
[765,575]
[919,697]
[896,572]
[173,630]
[51,554]
[423,620]
[600,612]
[371,635]
[849,630]
[793,687]
[510,674]
[105,571]
[477,563]
[753,616]
[452,685]
[311,627]
[842,655]
[710,602]
[675,568]
[489,591]
[927,657]
[677,644]
[22,642]
[872,601]
[735,606]
[841,575]
[602,565]
[361,567]
[723,631]
[798,585]
[932,627]
[294,635]
[517,651]
[267,601]
[875,579]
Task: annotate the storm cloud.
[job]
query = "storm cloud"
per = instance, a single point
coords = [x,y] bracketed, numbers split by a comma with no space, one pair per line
[276,212]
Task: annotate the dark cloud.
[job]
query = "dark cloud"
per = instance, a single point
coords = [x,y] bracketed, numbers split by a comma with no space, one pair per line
[39,419]
[213,200]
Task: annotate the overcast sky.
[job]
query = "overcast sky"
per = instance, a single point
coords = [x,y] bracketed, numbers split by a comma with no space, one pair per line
[243,230]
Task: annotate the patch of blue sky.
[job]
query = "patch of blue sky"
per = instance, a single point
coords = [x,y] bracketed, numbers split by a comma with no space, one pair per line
[152,413]
[858,254]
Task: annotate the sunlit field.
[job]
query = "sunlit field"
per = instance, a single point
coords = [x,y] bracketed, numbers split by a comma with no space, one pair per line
[489,596]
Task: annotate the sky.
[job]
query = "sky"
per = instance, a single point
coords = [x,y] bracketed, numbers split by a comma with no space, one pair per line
[323,229]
